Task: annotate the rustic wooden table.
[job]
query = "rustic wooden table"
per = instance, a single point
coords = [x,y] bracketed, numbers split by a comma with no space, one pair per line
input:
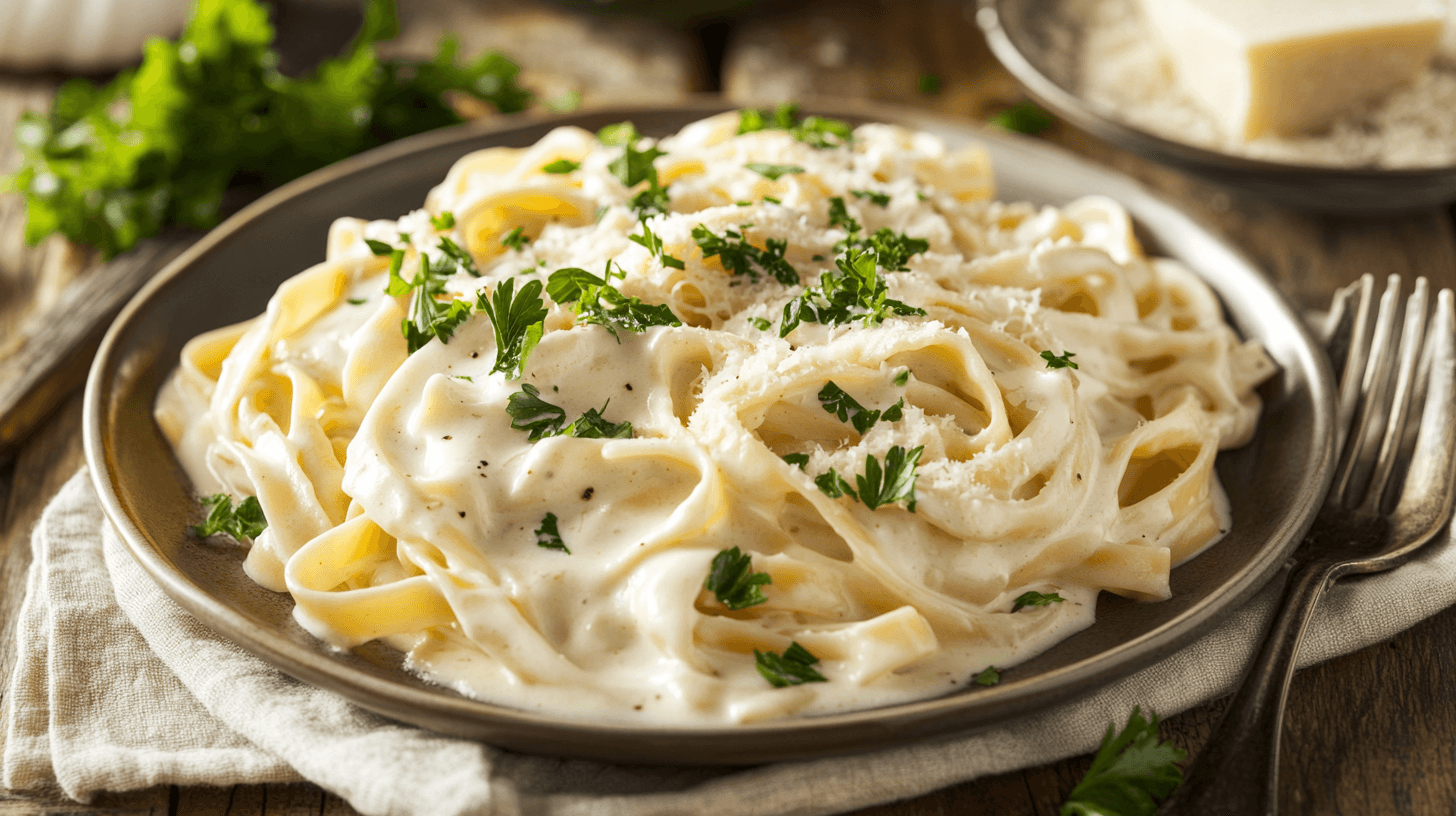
[1369,733]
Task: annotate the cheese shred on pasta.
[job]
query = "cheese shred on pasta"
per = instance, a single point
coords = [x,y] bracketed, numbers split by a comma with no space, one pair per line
[566,574]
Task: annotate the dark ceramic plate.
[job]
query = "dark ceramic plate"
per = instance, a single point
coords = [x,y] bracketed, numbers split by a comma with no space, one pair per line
[1275,483]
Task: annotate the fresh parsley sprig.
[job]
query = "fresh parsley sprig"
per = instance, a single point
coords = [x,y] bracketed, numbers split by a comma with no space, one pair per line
[794,667]
[732,580]
[246,521]
[540,419]
[838,402]
[740,257]
[160,145]
[1130,770]
[878,199]
[517,320]
[653,244]
[595,300]
[892,482]
[857,292]
[634,167]
[774,172]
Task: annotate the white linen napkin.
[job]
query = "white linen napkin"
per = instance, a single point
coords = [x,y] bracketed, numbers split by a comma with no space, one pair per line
[117,688]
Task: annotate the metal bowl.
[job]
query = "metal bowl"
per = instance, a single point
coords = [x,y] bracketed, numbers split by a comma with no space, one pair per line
[1022,35]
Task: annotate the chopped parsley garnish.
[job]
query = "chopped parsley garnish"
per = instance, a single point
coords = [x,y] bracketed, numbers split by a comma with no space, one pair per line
[465,377]
[548,536]
[799,460]
[529,413]
[1026,117]
[773,172]
[1128,772]
[831,484]
[461,258]
[634,167]
[892,483]
[358,301]
[653,244]
[988,677]
[856,293]
[928,84]
[902,378]
[560,166]
[443,221]
[732,580]
[540,419]
[815,131]
[597,301]
[162,143]
[1034,598]
[840,217]
[517,319]
[1063,360]
[892,249]
[772,200]
[428,317]
[516,239]
[739,257]
[244,521]
[794,667]
[759,323]
[838,402]
[379,248]
[878,199]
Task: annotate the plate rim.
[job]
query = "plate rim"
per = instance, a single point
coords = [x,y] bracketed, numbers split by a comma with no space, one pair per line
[664,743]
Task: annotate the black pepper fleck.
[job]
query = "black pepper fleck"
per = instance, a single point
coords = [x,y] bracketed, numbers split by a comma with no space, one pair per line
[587,494]
[629,386]
[462,514]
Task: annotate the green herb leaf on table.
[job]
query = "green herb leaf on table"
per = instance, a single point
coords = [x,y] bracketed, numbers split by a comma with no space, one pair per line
[1130,770]
[1034,598]
[732,580]
[794,667]
[1063,360]
[245,521]
[160,144]
[517,320]
[548,536]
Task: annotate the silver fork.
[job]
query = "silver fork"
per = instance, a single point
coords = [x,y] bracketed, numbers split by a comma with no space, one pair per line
[1373,519]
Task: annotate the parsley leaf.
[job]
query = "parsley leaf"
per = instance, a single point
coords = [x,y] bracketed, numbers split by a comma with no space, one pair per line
[773,172]
[902,378]
[878,199]
[831,484]
[1129,770]
[634,167]
[799,460]
[518,320]
[548,536]
[928,84]
[1063,360]
[1034,598]
[857,292]
[597,301]
[894,482]
[815,131]
[246,521]
[358,301]
[739,257]
[839,216]
[560,166]
[653,244]
[516,239]
[1026,117]
[432,319]
[796,666]
[731,578]
[838,402]
[160,144]
[540,419]
[443,221]
[987,677]
[529,413]
[759,323]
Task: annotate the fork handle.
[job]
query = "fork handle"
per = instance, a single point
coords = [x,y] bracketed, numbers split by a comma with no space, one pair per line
[1237,771]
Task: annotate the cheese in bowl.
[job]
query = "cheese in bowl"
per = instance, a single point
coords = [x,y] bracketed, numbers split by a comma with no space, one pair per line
[766,418]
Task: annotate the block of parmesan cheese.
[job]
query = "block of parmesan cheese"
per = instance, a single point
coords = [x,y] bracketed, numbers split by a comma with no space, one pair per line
[1288,67]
